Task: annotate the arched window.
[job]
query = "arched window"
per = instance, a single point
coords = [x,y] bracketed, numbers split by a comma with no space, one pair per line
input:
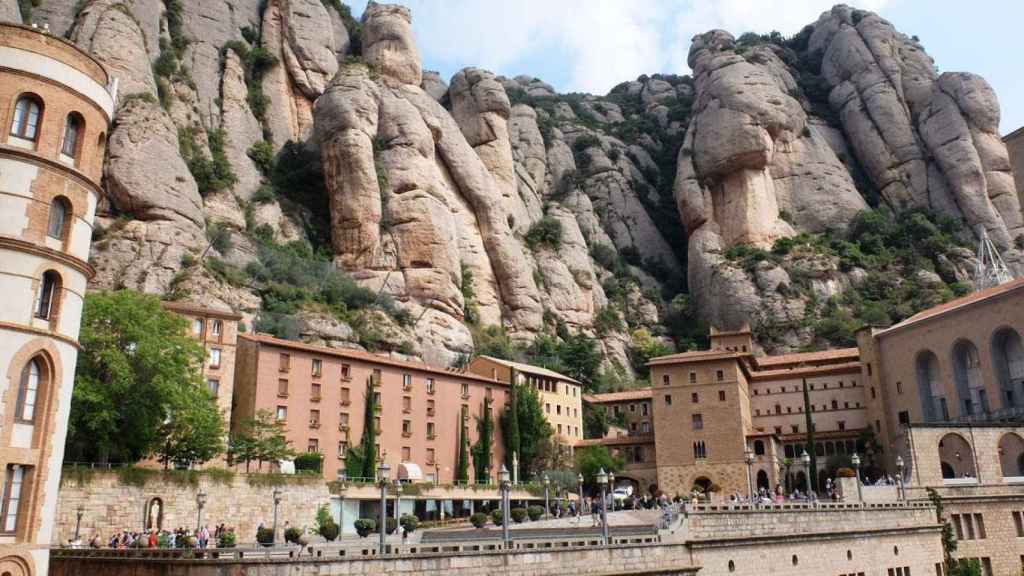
[758,448]
[49,295]
[1008,360]
[929,388]
[59,210]
[28,391]
[28,113]
[970,386]
[74,128]
[956,457]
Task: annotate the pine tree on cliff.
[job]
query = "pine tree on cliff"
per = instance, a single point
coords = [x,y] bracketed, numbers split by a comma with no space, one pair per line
[368,444]
[812,472]
[510,426]
[482,451]
[462,465]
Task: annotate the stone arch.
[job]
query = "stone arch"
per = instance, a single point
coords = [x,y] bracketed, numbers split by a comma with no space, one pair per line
[16,566]
[970,385]
[929,387]
[1008,364]
[1011,455]
[762,480]
[703,484]
[956,457]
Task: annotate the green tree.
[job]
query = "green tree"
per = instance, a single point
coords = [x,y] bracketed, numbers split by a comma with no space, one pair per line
[642,348]
[462,464]
[482,451]
[581,358]
[194,430]
[530,417]
[812,473]
[595,421]
[591,459]
[509,423]
[368,443]
[136,360]
[260,439]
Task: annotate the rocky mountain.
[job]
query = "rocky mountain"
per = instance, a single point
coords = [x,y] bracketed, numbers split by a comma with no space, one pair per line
[282,159]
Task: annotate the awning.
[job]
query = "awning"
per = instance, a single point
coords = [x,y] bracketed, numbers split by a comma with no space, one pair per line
[410,472]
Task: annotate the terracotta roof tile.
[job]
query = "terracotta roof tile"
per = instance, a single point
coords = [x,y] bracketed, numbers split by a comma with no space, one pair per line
[809,357]
[190,308]
[531,369]
[623,396]
[617,441]
[696,356]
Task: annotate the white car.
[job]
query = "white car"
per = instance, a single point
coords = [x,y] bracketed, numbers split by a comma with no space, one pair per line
[622,493]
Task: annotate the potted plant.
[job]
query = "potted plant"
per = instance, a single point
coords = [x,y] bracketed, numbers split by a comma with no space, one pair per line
[391,525]
[534,512]
[227,539]
[518,515]
[478,520]
[265,536]
[364,526]
[409,523]
[292,535]
[497,516]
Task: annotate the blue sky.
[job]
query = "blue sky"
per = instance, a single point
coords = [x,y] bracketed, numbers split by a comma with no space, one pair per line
[591,45]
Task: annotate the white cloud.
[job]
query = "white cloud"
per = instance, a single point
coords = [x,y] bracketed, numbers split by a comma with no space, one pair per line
[598,43]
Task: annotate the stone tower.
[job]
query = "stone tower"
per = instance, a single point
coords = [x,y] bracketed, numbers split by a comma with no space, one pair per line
[56,103]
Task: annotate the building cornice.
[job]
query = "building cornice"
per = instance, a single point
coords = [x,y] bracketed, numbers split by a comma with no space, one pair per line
[45,36]
[18,245]
[39,332]
[71,172]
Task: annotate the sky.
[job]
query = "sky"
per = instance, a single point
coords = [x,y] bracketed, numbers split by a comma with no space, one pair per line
[592,45]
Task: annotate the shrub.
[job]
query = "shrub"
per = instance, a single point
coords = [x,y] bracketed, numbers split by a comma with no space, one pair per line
[518,515]
[607,321]
[364,526]
[604,255]
[535,512]
[409,522]
[292,535]
[330,531]
[478,520]
[262,154]
[265,536]
[545,233]
[497,515]
[311,461]
[391,525]
[227,539]
[264,194]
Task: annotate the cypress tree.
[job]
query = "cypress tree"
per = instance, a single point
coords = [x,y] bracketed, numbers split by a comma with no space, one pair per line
[482,450]
[462,465]
[369,440]
[510,426]
[812,473]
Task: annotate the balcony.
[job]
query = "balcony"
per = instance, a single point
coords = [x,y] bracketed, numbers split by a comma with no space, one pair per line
[406,434]
[315,398]
[314,424]
[343,427]
[345,402]
[282,394]
[430,412]
[430,391]
[431,436]
[406,410]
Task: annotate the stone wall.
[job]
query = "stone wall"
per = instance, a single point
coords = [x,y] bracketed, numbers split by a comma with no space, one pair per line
[243,501]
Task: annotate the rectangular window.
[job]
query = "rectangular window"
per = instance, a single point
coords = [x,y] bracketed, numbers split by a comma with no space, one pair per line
[282,413]
[957,527]
[314,392]
[795,428]
[13,482]
[666,379]
[214,357]
[694,398]
[547,408]
[406,381]
[465,412]
[318,366]
[645,427]
[979,523]
[218,327]
[407,404]
[430,407]
[314,418]
[559,429]
[313,445]
[1018,523]
[346,372]
[197,326]
[376,377]
[213,385]
[904,417]
[465,390]
[632,407]
[721,395]
[645,409]
[430,430]
[343,420]
[430,385]
[406,428]
[282,387]
[698,422]
[693,377]
[344,397]
[284,362]
[342,449]
[668,399]
[842,426]
[719,375]
[406,453]
[430,456]
[899,387]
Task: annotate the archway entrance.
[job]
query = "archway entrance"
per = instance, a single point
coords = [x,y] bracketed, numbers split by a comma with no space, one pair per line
[702,485]
[1011,455]
[956,457]
[762,480]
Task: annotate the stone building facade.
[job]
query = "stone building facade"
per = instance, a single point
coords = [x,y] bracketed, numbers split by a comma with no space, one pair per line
[56,103]
[320,394]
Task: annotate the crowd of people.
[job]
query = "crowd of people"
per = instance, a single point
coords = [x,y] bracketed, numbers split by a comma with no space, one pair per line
[177,538]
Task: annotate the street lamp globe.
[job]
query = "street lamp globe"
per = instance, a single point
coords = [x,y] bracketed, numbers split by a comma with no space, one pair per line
[503,475]
[201,498]
[602,477]
[579,479]
[805,458]
[855,460]
[899,464]
[547,481]
[398,487]
[611,479]
[383,472]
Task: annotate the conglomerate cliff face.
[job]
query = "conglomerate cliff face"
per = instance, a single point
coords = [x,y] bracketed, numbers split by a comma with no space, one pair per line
[247,130]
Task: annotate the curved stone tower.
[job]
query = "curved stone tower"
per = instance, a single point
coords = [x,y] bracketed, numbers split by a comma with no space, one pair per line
[56,103]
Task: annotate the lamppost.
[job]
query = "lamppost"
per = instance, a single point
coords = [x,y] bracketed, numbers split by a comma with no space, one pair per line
[78,520]
[806,459]
[547,503]
[505,512]
[611,487]
[579,505]
[855,460]
[382,476]
[899,472]
[200,502]
[602,481]
[398,500]
[748,457]
[277,501]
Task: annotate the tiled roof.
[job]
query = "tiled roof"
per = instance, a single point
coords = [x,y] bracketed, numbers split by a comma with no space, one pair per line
[696,356]
[623,396]
[808,357]
[190,308]
[531,369]
[365,356]
[957,304]
[783,373]
[617,441]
